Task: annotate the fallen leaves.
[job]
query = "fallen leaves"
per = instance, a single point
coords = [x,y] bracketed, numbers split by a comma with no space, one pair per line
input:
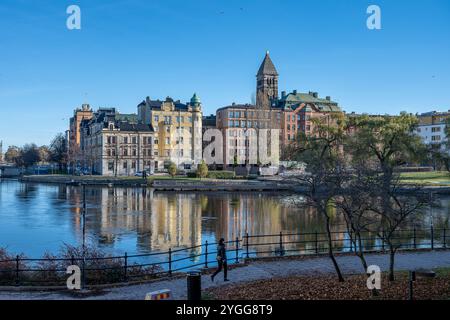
[328,288]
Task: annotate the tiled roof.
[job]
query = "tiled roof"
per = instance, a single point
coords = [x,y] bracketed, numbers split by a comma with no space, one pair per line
[156,104]
[267,67]
[292,100]
[127,126]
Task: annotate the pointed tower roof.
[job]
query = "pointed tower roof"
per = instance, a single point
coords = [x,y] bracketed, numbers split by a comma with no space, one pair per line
[267,67]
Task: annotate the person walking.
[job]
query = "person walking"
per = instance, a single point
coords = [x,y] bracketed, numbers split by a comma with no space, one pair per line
[221,260]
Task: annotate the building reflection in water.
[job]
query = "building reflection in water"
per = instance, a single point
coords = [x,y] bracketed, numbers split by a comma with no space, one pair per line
[140,220]
[162,220]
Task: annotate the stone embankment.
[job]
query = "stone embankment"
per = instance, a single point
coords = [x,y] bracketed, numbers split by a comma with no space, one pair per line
[164,184]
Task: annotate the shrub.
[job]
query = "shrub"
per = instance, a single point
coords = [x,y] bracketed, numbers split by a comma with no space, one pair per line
[172,169]
[8,267]
[221,175]
[202,170]
[192,174]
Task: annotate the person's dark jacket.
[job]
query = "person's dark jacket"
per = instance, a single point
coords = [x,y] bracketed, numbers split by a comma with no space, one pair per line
[221,252]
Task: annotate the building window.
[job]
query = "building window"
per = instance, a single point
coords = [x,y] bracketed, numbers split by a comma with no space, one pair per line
[230,114]
[156,141]
[436,129]
[167,120]
[134,140]
[156,118]
[125,140]
[125,165]
[134,153]
[125,152]
[167,140]
[108,152]
[435,138]
[111,166]
[133,165]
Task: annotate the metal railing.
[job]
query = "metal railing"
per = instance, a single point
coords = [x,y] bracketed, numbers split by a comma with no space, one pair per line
[22,271]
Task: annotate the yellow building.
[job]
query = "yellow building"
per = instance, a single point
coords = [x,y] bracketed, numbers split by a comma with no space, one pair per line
[178,130]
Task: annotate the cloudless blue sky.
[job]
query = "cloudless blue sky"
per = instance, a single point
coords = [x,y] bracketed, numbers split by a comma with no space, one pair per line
[130,49]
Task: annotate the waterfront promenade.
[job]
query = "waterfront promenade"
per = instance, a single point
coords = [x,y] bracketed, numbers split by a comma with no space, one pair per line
[257,270]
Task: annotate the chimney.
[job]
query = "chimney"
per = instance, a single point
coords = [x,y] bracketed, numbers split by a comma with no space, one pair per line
[315,94]
[294,92]
[328,98]
[283,94]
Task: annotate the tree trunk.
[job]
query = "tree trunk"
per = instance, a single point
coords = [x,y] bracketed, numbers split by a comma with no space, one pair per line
[360,253]
[330,249]
[391,263]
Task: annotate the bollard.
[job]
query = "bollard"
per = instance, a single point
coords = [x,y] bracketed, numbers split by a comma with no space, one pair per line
[194,286]
[412,278]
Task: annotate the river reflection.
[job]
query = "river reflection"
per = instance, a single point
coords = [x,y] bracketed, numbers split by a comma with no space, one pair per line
[36,218]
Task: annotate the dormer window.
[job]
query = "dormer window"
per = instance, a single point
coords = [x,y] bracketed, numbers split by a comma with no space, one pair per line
[111,126]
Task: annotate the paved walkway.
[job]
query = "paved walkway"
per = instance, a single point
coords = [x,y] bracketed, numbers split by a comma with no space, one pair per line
[257,271]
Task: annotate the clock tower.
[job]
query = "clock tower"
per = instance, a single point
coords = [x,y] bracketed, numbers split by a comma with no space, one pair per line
[266,84]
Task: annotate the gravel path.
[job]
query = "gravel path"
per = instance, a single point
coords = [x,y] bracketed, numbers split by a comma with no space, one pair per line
[255,271]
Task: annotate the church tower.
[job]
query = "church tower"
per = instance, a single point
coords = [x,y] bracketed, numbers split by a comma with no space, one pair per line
[266,84]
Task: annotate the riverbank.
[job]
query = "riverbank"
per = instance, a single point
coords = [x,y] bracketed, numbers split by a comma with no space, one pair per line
[183,183]
[164,183]
[254,272]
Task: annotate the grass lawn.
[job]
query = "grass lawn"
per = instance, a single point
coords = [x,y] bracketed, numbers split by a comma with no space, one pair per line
[435,178]
[328,288]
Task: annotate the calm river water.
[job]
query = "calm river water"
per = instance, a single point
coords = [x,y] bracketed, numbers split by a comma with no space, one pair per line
[39,218]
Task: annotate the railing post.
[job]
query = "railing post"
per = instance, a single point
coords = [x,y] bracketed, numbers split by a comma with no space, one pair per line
[247,246]
[351,241]
[170,261]
[237,250]
[281,243]
[316,241]
[445,238]
[432,238]
[206,254]
[17,270]
[415,239]
[126,267]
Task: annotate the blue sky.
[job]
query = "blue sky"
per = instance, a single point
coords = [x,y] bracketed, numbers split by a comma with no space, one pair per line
[130,49]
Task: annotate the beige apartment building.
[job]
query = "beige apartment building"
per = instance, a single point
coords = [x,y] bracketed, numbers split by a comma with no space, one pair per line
[177,128]
[112,145]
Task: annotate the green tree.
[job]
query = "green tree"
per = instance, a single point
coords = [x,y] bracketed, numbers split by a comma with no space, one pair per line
[202,170]
[172,169]
[30,155]
[14,155]
[44,154]
[58,151]
[382,145]
[322,153]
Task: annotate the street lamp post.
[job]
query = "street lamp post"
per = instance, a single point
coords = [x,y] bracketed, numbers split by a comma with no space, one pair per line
[83,221]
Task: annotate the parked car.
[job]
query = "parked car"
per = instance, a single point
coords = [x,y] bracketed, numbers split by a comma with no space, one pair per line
[141,173]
